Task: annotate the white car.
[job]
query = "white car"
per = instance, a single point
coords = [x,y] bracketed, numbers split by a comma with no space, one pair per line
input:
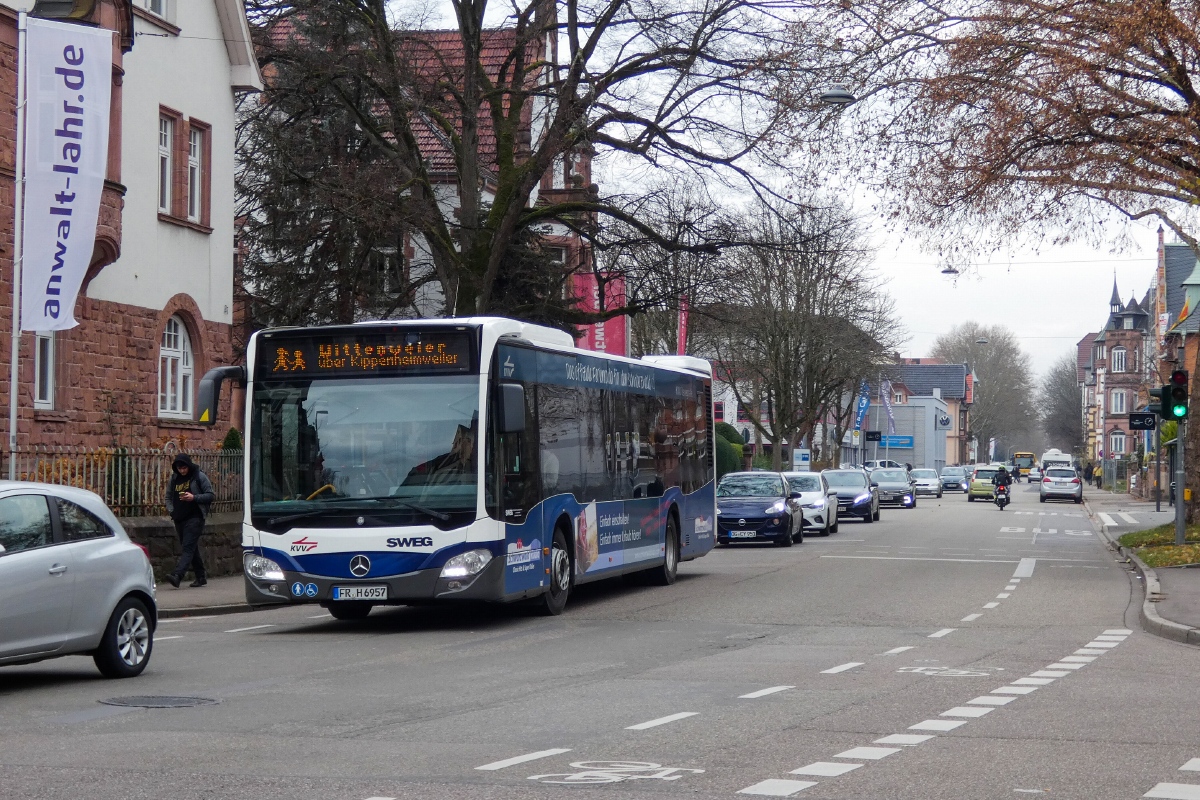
[1035,473]
[818,501]
[71,582]
[927,481]
[882,464]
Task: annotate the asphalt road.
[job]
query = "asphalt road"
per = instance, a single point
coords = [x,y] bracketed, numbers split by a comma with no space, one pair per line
[995,654]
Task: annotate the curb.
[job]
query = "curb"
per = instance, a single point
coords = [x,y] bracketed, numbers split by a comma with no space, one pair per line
[196,611]
[1151,621]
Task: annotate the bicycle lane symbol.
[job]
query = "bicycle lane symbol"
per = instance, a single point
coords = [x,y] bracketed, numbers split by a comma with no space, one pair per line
[594,772]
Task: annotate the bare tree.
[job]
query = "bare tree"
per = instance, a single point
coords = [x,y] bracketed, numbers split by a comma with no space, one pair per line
[1062,405]
[800,320]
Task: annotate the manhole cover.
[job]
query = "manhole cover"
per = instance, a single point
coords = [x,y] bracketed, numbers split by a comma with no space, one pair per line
[150,701]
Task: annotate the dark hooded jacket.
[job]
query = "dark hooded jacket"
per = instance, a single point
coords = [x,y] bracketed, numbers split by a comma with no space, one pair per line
[197,483]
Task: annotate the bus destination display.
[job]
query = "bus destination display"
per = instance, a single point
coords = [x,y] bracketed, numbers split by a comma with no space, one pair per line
[349,353]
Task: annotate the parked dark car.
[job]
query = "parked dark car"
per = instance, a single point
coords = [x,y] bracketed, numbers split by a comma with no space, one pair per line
[856,496]
[758,506]
[895,486]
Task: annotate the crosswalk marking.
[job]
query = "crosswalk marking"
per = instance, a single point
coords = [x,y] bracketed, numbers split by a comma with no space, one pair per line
[1175,791]
[1106,519]
[1127,518]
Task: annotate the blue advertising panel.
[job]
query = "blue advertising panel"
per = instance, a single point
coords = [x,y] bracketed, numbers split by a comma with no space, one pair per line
[897,441]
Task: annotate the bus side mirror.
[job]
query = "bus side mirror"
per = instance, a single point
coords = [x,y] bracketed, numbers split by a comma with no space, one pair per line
[511,407]
[210,391]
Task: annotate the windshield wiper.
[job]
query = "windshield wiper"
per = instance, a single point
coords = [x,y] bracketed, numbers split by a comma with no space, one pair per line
[430,512]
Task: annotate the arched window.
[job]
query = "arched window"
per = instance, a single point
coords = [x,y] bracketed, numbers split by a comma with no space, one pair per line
[1118,359]
[175,378]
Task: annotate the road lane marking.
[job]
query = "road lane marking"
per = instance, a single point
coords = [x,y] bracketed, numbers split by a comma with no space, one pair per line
[1002,596]
[1175,791]
[1025,568]
[988,700]
[1060,665]
[1014,580]
[1033,681]
[1079,659]
[916,558]
[776,787]
[842,667]
[251,628]
[1049,673]
[966,711]
[381,798]
[937,725]
[1101,645]
[321,616]
[510,762]
[654,723]
[826,769]
[1127,518]
[164,638]
[765,692]
[868,753]
[1192,766]
[942,632]
[990,605]
[896,650]
[905,738]
[971,617]
[1014,690]
[1110,638]
[1010,588]
[1090,652]
[1116,631]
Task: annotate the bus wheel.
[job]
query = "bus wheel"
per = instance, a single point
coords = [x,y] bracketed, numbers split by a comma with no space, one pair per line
[349,610]
[665,575]
[554,601]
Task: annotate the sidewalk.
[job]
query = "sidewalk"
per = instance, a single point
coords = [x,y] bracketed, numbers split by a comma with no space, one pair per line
[225,595]
[1171,606]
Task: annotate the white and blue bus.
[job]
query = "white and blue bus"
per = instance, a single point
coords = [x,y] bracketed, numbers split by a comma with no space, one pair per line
[464,459]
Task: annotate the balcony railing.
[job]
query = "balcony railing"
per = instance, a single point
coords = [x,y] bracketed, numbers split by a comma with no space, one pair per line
[132,481]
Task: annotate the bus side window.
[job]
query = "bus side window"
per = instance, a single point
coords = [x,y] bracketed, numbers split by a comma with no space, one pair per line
[519,464]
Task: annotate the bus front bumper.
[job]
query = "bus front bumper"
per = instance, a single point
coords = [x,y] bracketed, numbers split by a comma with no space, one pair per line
[297,588]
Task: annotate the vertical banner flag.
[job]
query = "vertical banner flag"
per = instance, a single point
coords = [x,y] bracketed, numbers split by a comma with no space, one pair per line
[69,85]
[886,390]
[608,336]
[864,403]
[681,339]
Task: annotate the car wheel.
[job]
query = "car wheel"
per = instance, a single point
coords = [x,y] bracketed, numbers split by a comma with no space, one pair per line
[786,539]
[554,600]
[939,495]
[837,520]
[1078,500]
[1042,498]
[828,527]
[665,574]
[875,517]
[349,610]
[970,498]
[127,641]
[799,538]
[913,504]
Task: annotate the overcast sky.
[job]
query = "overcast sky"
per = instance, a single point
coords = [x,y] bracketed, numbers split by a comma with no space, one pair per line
[1050,298]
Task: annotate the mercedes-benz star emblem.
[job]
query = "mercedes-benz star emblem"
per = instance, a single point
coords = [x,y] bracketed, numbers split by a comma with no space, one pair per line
[360,566]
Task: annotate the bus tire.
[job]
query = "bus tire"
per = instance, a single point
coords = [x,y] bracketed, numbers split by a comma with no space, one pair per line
[665,574]
[349,610]
[554,600]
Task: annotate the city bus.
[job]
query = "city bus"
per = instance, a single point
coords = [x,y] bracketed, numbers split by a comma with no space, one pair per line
[1022,462]
[395,463]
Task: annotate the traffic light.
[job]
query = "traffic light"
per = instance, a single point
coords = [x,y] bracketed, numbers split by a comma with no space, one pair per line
[1175,396]
[1158,408]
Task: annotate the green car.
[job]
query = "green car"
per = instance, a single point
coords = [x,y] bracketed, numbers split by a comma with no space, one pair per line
[981,483]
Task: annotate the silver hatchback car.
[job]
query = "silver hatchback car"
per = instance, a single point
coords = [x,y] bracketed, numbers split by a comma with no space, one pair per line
[1061,482]
[71,581]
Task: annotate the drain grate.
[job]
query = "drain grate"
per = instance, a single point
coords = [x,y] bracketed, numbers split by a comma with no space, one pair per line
[152,701]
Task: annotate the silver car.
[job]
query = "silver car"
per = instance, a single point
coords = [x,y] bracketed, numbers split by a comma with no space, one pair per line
[71,582]
[818,502]
[1061,482]
[928,482]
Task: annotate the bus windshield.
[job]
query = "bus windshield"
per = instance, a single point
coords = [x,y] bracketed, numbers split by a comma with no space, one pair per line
[1024,460]
[382,446]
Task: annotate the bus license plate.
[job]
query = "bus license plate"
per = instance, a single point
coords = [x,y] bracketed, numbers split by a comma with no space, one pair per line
[360,593]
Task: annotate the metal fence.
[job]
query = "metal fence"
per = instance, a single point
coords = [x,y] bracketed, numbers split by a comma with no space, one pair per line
[132,481]
[1115,475]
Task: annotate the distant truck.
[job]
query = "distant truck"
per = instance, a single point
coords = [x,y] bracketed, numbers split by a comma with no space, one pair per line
[1057,458]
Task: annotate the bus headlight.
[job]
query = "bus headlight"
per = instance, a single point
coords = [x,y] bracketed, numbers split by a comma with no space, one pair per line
[262,568]
[466,564]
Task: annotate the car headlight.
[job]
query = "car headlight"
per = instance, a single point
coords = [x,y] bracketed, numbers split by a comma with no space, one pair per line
[862,498]
[262,568]
[718,511]
[778,508]
[466,564]
[818,504]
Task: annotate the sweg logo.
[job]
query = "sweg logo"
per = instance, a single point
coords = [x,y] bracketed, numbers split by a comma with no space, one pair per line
[303,545]
[412,541]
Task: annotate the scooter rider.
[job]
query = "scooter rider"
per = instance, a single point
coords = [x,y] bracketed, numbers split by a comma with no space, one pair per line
[1001,478]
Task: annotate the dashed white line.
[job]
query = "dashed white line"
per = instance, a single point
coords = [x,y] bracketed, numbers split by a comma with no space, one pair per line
[1025,568]
[251,628]
[842,667]
[990,605]
[1009,588]
[776,787]
[868,753]
[381,798]
[826,769]
[764,692]
[165,638]
[1192,766]
[510,762]
[907,739]
[988,700]
[896,650]
[321,616]
[1118,631]
[966,711]
[1175,791]
[654,723]
[1033,681]
[1079,659]
[971,617]
[1101,645]
[1049,673]
[1065,666]
[1108,637]
[1002,596]
[1014,690]
[937,725]
[942,632]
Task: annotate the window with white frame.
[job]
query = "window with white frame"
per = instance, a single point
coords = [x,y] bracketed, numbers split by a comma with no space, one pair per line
[195,154]
[175,371]
[43,371]
[166,135]
[1117,362]
[158,7]
[1118,402]
[1116,443]
[898,398]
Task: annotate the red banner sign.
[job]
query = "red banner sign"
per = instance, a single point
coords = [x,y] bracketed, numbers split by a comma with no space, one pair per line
[609,336]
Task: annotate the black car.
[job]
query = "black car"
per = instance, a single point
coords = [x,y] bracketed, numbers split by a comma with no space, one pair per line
[758,506]
[856,496]
[954,479]
[895,486]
